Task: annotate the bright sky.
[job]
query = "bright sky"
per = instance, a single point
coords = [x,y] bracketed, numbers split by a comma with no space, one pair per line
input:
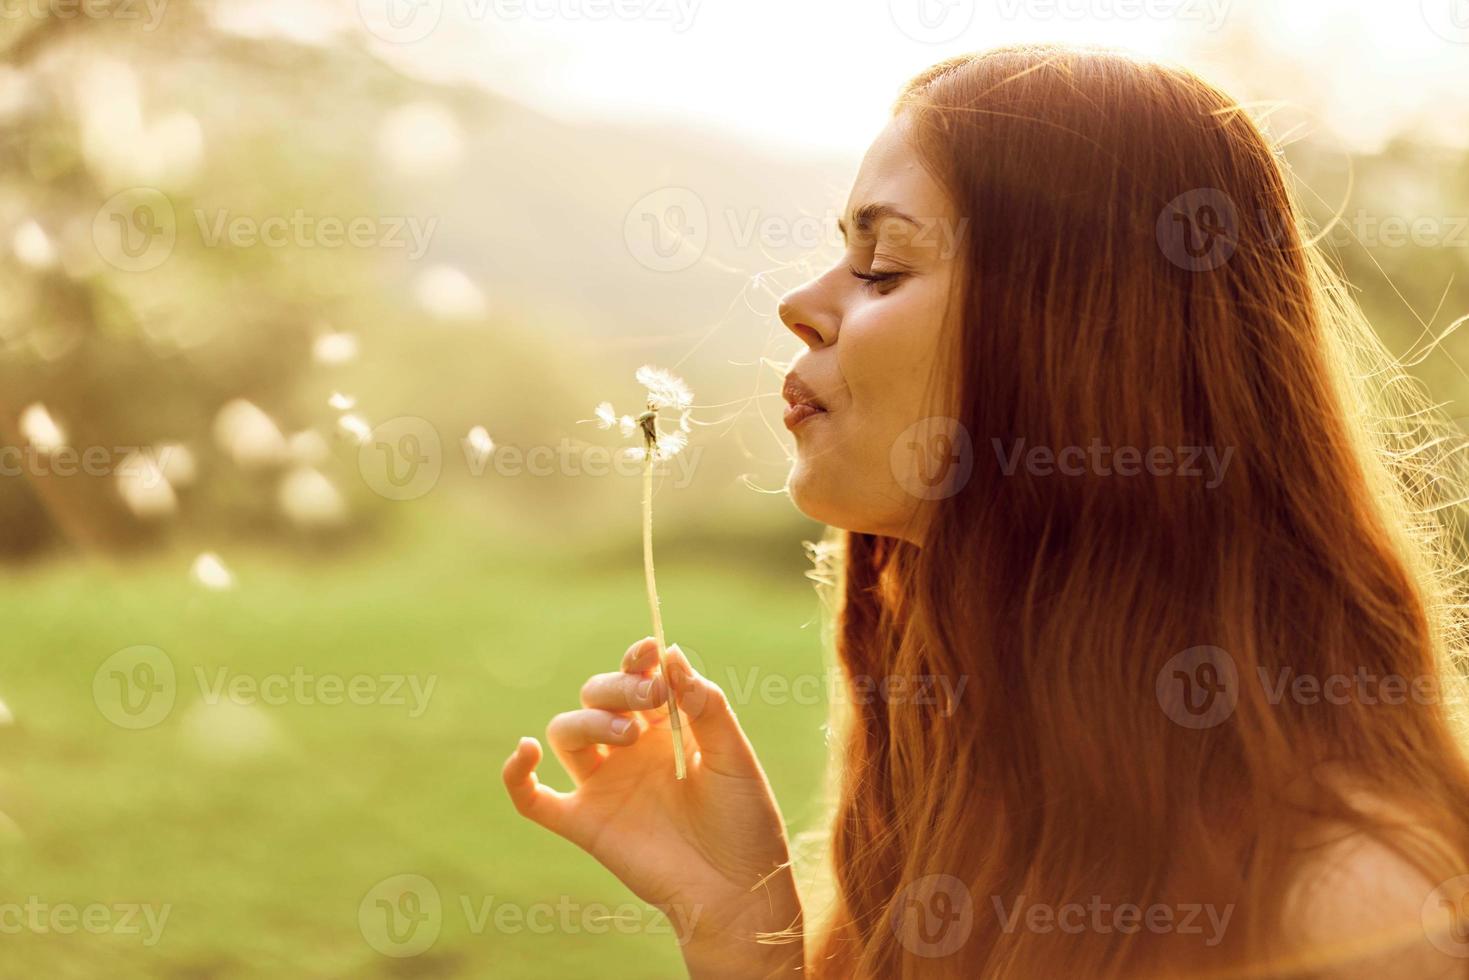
[822,73]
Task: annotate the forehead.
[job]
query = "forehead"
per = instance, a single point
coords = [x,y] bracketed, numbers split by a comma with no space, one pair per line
[891,173]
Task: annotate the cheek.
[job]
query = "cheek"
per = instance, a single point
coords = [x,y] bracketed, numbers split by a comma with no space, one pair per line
[886,354]
[844,474]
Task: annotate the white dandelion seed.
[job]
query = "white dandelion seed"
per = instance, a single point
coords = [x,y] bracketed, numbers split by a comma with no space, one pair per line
[210,572]
[334,348]
[479,443]
[664,389]
[40,429]
[356,427]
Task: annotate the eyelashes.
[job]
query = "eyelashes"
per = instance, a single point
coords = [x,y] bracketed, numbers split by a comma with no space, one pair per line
[882,282]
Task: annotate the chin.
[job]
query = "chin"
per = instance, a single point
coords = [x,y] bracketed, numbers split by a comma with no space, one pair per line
[814,495]
[827,497]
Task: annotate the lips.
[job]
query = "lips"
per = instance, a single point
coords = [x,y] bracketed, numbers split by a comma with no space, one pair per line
[802,402]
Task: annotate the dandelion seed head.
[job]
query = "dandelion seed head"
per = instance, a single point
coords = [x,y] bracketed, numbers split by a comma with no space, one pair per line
[665,390]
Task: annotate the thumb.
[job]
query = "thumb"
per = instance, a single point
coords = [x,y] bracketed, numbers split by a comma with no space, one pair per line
[721,741]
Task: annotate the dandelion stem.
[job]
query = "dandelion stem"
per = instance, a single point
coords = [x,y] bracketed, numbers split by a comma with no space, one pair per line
[674,723]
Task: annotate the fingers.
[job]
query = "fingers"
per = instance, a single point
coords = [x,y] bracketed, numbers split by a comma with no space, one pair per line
[532,799]
[641,657]
[577,738]
[624,692]
[722,742]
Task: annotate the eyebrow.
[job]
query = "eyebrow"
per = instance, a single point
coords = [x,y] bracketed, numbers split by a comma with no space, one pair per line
[870,214]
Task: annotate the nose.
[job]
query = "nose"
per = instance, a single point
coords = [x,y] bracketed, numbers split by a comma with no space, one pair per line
[808,313]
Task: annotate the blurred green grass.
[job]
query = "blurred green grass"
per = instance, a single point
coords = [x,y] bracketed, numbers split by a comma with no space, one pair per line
[264,828]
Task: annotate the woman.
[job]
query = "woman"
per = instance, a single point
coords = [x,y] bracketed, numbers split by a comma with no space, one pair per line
[1119,464]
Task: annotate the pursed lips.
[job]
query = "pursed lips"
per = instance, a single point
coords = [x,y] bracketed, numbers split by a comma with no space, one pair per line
[801,401]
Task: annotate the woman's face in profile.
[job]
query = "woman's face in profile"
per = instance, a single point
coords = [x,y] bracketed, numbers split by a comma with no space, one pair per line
[872,325]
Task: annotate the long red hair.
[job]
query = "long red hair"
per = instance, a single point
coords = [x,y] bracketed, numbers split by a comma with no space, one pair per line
[1055,774]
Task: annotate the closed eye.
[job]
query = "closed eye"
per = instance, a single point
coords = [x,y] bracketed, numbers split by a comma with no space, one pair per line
[877,280]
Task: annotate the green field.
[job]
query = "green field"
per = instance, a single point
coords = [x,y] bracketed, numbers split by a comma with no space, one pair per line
[262,827]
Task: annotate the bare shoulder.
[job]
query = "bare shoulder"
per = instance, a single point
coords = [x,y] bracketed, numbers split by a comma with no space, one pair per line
[1359,908]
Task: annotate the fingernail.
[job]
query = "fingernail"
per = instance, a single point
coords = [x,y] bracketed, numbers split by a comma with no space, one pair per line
[645,690]
[619,725]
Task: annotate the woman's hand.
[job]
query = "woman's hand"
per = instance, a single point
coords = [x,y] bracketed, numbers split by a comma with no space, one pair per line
[709,850]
